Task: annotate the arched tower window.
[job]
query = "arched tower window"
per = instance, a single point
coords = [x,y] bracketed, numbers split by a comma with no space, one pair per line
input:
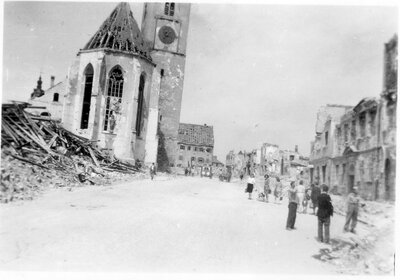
[139,114]
[114,96]
[169,9]
[87,95]
[55,97]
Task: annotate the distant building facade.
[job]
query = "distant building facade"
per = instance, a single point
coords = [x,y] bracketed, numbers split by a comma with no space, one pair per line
[269,159]
[294,165]
[195,145]
[52,98]
[324,145]
[359,147]
[216,163]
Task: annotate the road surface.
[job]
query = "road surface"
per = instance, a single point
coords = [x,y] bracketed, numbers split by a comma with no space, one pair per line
[181,225]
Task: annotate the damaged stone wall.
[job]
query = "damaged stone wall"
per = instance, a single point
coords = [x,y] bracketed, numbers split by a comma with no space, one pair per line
[122,141]
[151,145]
[170,100]
[364,152]
[169,53]
[327,144]
[354,159]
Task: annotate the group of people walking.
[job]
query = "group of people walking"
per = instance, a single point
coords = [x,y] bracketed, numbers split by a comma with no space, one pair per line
[270,188]
[300,199]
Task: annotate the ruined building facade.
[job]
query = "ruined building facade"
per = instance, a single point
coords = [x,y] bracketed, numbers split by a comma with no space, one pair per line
[124,89]
[269,159]
[358,146]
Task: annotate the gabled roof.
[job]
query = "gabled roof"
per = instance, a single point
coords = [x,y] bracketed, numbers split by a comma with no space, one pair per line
[194,134]
[120,32]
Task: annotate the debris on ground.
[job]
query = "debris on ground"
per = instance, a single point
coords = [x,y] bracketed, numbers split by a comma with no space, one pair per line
[370,250]
[38,152]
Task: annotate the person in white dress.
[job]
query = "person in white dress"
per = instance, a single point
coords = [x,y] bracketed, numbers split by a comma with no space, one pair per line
[301,191]
[250,184]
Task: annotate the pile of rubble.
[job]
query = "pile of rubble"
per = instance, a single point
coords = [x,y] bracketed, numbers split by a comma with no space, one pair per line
[38,152]
[371,249]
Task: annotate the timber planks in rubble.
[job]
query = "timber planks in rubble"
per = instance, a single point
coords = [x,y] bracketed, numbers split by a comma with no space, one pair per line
[45,138]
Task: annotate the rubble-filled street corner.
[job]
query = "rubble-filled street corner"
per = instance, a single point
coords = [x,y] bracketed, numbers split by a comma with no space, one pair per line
[199,138]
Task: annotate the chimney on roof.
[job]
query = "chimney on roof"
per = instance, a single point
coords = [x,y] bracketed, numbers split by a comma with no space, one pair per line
[296,149]
[52,78]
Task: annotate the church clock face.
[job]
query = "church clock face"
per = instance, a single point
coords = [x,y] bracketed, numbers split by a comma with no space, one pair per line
[167,35]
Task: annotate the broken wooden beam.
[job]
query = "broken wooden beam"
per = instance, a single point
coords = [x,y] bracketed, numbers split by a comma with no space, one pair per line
[93,157]
[28,161]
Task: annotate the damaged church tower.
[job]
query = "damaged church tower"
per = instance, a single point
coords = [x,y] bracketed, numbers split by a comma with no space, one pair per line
[165,26]
[124,89]
[112,90]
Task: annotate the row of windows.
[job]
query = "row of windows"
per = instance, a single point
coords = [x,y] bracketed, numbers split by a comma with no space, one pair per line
[196,149]
[199,159]
[169,9]
[340,172]
[115,87]
[350,130]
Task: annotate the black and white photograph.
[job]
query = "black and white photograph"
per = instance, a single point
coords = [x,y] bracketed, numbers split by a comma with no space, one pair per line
[219,138]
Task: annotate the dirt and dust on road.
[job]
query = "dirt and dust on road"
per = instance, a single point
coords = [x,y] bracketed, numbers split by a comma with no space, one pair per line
[371,251]
[174,225]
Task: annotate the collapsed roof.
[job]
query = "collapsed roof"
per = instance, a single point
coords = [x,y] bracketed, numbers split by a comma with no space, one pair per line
[120,32]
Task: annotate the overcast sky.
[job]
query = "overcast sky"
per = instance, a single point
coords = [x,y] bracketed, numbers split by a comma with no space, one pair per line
[257,73]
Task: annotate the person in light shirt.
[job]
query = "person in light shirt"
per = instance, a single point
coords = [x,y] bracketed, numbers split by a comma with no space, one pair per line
[301,190]
[250,184]
[352,203]
[293,202]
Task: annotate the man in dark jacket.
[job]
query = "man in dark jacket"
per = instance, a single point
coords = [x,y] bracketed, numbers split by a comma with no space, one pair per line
[324,213]
[315,192]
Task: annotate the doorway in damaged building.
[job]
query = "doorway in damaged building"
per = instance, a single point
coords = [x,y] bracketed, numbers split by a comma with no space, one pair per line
[350,182]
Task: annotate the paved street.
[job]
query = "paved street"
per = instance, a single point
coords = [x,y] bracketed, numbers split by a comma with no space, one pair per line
[167,225]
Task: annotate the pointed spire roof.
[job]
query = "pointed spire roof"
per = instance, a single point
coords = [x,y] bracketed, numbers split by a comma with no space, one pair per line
[38,92]
[120,32]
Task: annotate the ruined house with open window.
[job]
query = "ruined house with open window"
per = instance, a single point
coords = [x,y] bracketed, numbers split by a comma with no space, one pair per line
[358,147]
[124,89]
